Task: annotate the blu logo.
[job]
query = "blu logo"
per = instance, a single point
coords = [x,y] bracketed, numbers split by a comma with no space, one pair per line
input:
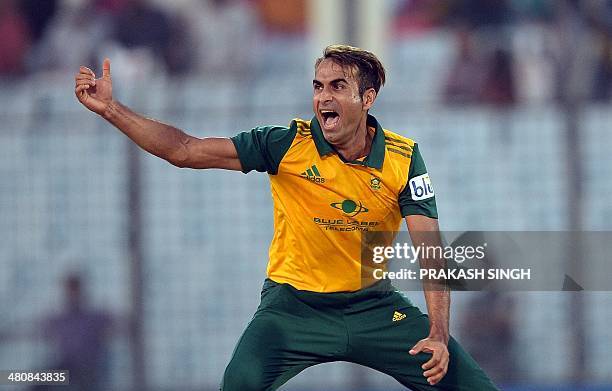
[421,188]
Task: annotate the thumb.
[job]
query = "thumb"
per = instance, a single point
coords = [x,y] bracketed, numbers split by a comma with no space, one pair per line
[106,68]
[417,348]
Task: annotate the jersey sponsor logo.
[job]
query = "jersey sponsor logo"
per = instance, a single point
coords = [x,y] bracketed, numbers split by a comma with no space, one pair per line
[344,225]
[397,316]
[349,207]
[312,174]
[421,188]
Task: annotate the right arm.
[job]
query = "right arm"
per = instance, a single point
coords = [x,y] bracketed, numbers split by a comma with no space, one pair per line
[159,139]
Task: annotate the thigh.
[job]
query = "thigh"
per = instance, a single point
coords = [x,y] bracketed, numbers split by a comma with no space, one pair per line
[383,334]
[282,339]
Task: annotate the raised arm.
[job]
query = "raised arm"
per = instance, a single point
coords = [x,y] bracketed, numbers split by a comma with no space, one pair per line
[162,140]
[425,231]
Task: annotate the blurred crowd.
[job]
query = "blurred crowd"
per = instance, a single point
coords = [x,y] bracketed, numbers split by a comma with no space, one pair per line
[505,50]
[520,50]
[60,35]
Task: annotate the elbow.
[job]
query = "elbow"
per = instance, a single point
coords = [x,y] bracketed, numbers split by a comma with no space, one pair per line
[179,164]
[185,160]
[179,159]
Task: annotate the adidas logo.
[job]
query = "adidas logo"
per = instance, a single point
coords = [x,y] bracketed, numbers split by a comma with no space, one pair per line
[313,174]
[397,316]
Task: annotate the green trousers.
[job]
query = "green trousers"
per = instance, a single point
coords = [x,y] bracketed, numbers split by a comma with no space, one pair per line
[376,327]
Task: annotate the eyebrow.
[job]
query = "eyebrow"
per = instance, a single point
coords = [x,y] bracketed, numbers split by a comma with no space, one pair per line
[338,80]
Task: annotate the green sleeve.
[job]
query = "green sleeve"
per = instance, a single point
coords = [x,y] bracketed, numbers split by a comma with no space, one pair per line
[418,197]
[263,148]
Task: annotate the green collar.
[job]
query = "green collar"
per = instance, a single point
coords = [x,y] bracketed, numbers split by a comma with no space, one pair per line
[377,152]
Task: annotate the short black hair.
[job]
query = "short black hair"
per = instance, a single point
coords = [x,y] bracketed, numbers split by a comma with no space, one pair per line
[371,72]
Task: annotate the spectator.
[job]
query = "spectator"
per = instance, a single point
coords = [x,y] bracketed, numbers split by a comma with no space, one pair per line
[464,81]
[38,14]
[600,13]
[79,335]
[481,13]
[113,7]
[499,86]
[83,27]
[534,48]
[576,58]
[420,15]
[535,10]
[14,39]
[283,16]
[488,329]
[602,80]
[224,34]
[141,25]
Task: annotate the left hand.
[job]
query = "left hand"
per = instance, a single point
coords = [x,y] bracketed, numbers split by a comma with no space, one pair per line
[436,367]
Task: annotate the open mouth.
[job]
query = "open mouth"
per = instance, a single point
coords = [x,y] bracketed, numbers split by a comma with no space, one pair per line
[330,118]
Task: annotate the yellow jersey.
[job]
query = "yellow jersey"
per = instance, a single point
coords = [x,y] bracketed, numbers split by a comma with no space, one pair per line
[323,204]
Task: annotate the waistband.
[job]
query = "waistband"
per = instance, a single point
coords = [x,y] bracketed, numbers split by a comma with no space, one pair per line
[379,289]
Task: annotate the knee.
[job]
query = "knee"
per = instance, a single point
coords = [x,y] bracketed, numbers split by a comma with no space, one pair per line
[243,378]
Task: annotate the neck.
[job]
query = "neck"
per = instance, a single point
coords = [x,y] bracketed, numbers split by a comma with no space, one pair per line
[358,145]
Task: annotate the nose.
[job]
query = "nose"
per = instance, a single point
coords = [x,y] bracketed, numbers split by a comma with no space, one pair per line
[325,95]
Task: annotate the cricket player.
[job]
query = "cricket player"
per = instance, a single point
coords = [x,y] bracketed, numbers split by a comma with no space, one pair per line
[332,178]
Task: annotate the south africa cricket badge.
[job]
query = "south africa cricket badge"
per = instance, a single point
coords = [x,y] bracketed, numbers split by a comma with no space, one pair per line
[375,183]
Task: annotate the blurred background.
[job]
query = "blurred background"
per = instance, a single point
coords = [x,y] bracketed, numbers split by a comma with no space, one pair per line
[136,275]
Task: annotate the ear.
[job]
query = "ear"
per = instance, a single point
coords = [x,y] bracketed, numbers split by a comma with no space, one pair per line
[369,96]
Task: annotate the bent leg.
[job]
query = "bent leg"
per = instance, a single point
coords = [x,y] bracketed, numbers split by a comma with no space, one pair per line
[262,359]
[381,343]
[284,337]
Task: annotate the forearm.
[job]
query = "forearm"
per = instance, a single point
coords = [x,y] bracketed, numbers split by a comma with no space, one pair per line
[425,232]
[164,141]
[437,297]
[436,290]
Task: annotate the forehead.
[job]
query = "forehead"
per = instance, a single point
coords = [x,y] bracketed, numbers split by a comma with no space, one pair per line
[329,70]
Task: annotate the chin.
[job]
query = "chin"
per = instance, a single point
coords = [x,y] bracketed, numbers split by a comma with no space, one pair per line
[330,135]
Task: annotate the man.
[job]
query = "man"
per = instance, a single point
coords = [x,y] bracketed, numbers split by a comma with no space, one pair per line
[80,335]
[332,178]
